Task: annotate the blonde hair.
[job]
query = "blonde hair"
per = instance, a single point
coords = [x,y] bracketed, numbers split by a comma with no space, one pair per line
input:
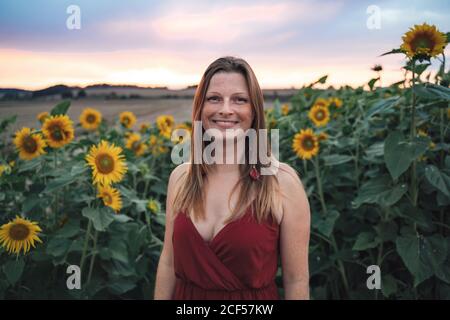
[190,194]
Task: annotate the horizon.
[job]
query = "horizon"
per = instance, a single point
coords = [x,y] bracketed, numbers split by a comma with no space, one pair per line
[166,44]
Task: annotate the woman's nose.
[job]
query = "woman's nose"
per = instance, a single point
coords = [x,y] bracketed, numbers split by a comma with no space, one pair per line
[226,107]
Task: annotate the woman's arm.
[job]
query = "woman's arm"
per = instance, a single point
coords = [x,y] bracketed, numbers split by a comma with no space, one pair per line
[165,275]
[294,237]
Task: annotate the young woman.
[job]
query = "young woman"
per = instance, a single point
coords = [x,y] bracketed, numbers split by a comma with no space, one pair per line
[228,224]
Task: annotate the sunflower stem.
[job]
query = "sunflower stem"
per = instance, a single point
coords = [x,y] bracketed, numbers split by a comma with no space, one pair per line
[86,242]
[55,206]
[413,190]
[94,253]
[319,186]
[341,267]
[441,132]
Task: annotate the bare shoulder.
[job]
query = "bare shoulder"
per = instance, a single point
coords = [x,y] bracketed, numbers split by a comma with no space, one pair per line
[294,197]
[174,182]
[177,173]
[288,176]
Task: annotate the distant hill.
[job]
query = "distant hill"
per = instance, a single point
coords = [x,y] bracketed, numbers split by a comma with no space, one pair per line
[123,91]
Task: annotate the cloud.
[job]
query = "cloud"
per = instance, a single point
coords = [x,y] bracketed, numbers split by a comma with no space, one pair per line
[224,24]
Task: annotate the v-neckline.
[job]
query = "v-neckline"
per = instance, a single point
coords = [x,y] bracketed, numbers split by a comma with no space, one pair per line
[210,242]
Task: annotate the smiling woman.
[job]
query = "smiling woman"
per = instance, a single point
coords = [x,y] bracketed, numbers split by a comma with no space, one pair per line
[227,224]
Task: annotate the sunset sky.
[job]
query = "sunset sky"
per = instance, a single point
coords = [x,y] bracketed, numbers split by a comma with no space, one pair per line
[170,43]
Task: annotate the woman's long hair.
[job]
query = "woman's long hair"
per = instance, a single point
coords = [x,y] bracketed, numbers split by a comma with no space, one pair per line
[190,194]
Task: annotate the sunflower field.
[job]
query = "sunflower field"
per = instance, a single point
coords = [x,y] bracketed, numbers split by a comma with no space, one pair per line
[375,164]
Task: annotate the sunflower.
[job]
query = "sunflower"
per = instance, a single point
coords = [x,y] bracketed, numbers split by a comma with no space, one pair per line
[30,145]
[305,144]
[58,130]
[423,41]
[127,119]
[42,116]
[322,102]
[144,127]
[422,133]
[182,129]
[134,143]
[157,146]
[3,168]
[90,119]
[165,125]
[154,206]
[19,234]
[319,115]
[107,163]
[432,145]
[335,102]
[111,197]
[285,109]
[322,136]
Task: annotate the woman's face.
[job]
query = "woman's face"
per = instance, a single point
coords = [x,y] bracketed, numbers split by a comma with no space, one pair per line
[227,103]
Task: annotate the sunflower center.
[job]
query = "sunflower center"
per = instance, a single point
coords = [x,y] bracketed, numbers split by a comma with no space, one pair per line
[19,232]
[105,163]
[107,199]
[136,145]
[29,144]
[320,115]
[126,120]
[57,133]
[308,144]
[422,42]
[91,118]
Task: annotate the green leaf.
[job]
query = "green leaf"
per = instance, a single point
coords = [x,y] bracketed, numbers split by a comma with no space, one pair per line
[120,286]
[29,165]
[335,159]
[438,179]
[372,82]
[419,68]
[381,106]
[378,191]
[399,154]
[375,150]
[59,183]
[58,247]
[78,169]
[61,108]
[100,217]
[388,285]
[70,229]
[432,92]
[30,202]
[387,231]
[13,270]
[322,79]
[6,122]
[393,51]
[118,250]
[122,218]
[366,240]
[325,225]
[422,256]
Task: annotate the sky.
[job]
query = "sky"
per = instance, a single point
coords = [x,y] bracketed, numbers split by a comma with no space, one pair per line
[171,43]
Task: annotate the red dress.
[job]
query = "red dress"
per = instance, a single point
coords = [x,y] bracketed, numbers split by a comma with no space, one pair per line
[239,263]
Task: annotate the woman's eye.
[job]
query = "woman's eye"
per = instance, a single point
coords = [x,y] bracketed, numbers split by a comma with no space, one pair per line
[213,99]
[242,100]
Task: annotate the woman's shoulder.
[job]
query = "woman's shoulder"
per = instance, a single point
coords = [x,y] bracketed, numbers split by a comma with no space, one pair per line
[286,173]
[178,172]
